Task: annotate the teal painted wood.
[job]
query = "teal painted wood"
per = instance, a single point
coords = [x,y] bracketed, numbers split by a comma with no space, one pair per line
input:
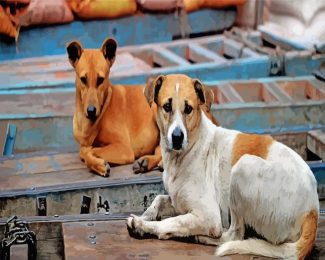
[50,73]
[136,29]
[47,125]
[48,133]
[10,140]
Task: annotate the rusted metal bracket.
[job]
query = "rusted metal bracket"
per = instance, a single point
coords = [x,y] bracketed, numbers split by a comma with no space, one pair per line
[18,240]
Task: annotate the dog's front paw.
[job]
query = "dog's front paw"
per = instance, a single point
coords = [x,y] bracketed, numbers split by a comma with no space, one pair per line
[134,226]
[140,165]
[103,168]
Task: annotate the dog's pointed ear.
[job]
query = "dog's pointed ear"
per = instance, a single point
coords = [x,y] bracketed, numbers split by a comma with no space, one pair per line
[109,49]
[74,50]
[205,94]
[152,89]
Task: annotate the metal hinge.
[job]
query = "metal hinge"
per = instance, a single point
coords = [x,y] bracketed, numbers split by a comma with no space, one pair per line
[17,237]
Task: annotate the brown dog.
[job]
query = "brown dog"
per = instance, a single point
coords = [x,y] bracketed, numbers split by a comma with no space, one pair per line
[112,124]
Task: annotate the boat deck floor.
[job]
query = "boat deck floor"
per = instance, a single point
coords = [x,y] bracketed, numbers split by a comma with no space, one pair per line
[110,240]
[47,171]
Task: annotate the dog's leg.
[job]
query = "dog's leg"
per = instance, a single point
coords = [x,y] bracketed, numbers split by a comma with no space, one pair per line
[93,162]
[160,207]
[147,162]
[179,226]
[236,230]
[118,153]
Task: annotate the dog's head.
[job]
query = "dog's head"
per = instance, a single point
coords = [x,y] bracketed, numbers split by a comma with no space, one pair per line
[179,100]
[92,67]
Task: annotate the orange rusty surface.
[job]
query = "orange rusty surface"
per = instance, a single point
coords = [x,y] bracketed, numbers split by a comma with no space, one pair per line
[113,242]
[63,74]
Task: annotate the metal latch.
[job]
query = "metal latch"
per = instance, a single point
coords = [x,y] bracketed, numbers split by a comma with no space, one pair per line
[276,65]
[102,207]
[18,235]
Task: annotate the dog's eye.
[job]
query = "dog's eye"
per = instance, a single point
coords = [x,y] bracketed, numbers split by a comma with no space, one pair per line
[83,80]
[100,80]
[167,107]
[188,109]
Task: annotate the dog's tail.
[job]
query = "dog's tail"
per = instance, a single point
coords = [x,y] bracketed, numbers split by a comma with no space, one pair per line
[298,250]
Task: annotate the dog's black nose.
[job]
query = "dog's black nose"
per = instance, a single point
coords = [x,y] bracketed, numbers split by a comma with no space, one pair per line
[177,138]
[91,112]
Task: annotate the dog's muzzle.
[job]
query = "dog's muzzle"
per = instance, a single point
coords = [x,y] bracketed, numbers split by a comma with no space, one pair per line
[177,138]
[91,112]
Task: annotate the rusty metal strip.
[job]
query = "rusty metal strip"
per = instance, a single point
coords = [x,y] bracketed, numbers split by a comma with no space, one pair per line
[71,218]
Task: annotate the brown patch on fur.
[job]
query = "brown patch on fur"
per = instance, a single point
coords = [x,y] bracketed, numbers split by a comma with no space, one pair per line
[308,234]
[250,144]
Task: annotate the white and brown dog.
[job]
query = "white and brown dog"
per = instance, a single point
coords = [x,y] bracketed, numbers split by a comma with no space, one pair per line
[211,171]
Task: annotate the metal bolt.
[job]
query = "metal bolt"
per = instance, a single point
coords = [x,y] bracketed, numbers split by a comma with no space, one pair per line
[92,236]
[90,224]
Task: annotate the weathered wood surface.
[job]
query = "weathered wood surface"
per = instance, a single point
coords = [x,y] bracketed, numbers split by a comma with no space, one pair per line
[48,231]
[112,241]
[228,60]
[316,142]
[63,180]
[34,172]
[132,61]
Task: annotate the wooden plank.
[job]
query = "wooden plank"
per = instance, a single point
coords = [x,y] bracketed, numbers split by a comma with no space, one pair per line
[198,53]
[117,242]
[232,48]
[230,93]
[316,142]
[276,91]
[111,238]
[167,58]
[46,103]
[48,231]
[277,38]
[41,164]
[35,174]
